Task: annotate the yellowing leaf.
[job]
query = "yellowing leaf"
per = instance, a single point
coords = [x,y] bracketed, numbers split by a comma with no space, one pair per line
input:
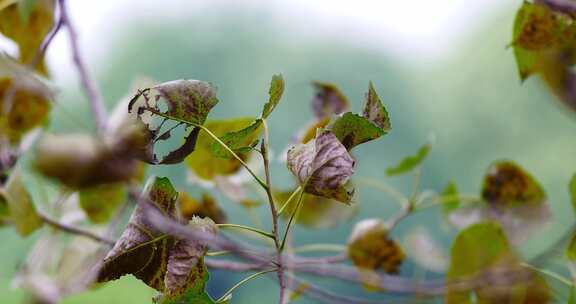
[275,92]
[206,208]
[203,163]
[28,32]
[241,141]
[409,163]
[483,250]
[316,211]
[20,206]
[100,202]
[369,247]
[323,167]
[185,102]
[328,101]
[24,96]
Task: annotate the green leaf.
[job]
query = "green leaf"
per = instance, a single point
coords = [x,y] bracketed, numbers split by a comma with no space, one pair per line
[352,130]
[409,163]
[450,201]
[22,211]
[239,141]
[275,92]
[483,250]
[323,167]
[184,102]
[329,100]
[204,164]
[374,110]
[572,189]
[100,202]
[571,250]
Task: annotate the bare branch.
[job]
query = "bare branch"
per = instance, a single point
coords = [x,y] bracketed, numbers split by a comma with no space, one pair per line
[75,230]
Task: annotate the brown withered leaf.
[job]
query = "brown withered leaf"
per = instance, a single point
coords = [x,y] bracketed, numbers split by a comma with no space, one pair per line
[323,167]
[184,102]
[206,207]
[169,265]
[370,247]
[374,110]
[28,31]
[329,100]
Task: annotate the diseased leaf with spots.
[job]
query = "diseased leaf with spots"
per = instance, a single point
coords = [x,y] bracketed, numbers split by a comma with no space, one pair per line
[371,248]
[375,111]
[411,162]
[195,294]
[316,212]
[511,197]
[275,92]
[24,98]
[169,265]
[323,167]
[328,101]
[101,202]
[352,130]
[206,207]
[203,163]
[240,141]
[19,205]
[27,24]
[186,103]
[483,250]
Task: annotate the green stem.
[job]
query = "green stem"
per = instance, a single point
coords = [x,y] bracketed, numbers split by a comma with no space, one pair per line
[216,253]
[246,279]
[247,228]
[320,247]
[294,212]
[287,202]
[549,273]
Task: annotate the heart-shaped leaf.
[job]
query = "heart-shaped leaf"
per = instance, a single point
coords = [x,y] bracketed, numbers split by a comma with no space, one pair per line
[323,167]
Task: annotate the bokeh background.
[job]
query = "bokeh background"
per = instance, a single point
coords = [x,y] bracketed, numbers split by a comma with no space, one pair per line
[441,67]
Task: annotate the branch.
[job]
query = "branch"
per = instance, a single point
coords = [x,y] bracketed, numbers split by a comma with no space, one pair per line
[88,83]
[75,230]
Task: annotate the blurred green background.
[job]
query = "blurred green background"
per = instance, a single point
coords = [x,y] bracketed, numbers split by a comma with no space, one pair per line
[470,100]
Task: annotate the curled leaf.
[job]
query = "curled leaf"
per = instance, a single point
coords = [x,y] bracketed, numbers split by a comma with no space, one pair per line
[329,100]
[322,167]
[369,247]
[205,208]
[410,162]
[275,92]
[184,102]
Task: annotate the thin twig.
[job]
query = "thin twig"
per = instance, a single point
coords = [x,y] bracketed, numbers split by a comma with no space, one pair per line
[246,279]
[88,83]
[247,228]
[75,230]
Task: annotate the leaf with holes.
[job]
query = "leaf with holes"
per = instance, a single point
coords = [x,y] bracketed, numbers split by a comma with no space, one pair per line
[323,167]
[411,162]
[185,103]
[276,90]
